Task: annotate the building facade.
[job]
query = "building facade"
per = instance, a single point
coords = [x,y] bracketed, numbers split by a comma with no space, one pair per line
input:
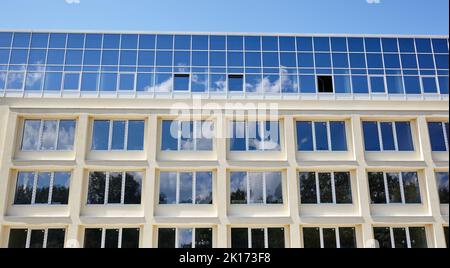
[223,140]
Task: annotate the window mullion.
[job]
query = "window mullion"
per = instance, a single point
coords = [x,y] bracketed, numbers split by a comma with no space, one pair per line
[119,242]
[408,238]
[178,187]
[313,127]
[444,129]
[322,242]
[246,133]
[338,238]
[58,123]
[35,181]
[248,187]
[386,188]
[107,188]
[262,133]
[122,191]
[111,125]
[179,123]
[317,188]
[27,244]
[103,238]
[44,243]
[177,245]
[41,132]
[391,230]
[333,188]
[194,187]
[125,141]
[193,237]
[380,136]
[330,148]
[50,193]
[266,237]
[250,244]
[194,134]
[402,189]
[394,130]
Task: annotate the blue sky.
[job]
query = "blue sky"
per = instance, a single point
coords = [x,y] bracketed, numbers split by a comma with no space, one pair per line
[281,16]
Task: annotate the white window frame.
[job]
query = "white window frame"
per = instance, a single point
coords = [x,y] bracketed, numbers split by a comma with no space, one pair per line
[29,231]
[177,235]
[266,235]
[110,135]
[337,232]
[194,132]
[264,174]
[41,132]
[408,235]
[262,130]
[314,139]
[401,185]
[444,130]
[178,186]
[122,191]
[394,130]
[35,182]
[103,239]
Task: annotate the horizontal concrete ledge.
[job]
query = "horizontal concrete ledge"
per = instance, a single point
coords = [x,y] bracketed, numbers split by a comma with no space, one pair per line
[186,164]
[186,220]
[332,219]
[351,164]
[13,220]
[258,164]
[442,164]
[43,163]
[115,163]
[259,220]
[112,220]
[410,164]
[403,219]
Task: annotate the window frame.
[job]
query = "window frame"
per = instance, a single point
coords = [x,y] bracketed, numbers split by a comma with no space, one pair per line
[41,132]
[50,191]
[266,235]
[262,124]
[110,135]
[194,132]
[193,239]
[338,235]
[194,188]
[407,231]
[249,189]
[122,189]
[120,237]
[30,230]
[444,130]
[333,187]
[329,134]
[401,186]
[395,137]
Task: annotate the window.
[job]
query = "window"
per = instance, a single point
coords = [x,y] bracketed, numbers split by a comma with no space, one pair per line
[321,136]
[111,238]
[442,183]
[342,237]
[187,135]
[255,136]
[325,84]
[325,188]
[257,238]
[256,188]
[392,187]
[236,83]
[36,238]
[181,82]
[51,188]
[439,136]
[48,135]
[118,135]
[388,136]
[446,235]
[409,237]
[185,188]
[114,188]
[185,238]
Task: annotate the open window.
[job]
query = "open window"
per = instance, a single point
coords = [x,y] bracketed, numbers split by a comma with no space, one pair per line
[325,84]
[236,83]
[181,82]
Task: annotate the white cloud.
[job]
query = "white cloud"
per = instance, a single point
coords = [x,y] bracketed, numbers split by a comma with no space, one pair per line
[72,2]
[373,1]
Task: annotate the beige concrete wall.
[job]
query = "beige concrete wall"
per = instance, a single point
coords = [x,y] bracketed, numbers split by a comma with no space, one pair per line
[221,216]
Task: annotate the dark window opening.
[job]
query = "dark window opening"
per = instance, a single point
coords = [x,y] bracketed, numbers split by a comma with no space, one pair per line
[236,82]
[181,82]
[325,84]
